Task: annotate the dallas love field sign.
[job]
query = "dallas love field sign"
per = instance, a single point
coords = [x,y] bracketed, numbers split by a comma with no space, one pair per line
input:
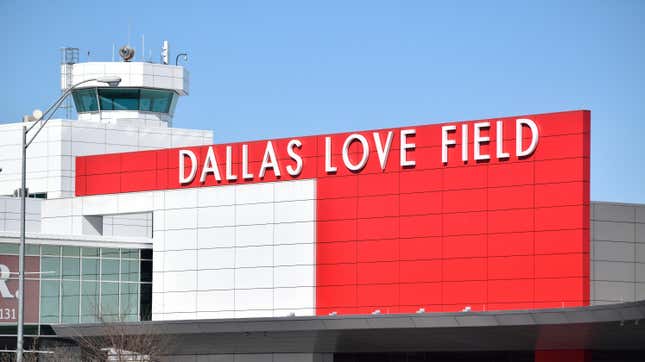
[381,143]
[455,144]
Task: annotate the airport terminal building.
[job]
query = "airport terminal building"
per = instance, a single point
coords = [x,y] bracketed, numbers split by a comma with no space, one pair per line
[467,239]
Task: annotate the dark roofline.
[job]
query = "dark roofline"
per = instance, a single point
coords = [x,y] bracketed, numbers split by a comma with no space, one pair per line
[608,327]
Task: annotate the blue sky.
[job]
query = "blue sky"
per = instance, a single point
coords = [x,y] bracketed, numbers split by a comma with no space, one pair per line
[265,69]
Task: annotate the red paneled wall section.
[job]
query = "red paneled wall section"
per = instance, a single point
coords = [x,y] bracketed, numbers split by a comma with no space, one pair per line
[492,235]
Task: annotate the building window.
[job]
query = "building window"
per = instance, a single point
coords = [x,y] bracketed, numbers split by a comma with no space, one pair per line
[124,99]
[85,100]
[89,285]
[116,99]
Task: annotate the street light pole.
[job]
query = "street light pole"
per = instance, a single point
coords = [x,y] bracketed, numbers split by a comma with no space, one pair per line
[37,116]
[21,252]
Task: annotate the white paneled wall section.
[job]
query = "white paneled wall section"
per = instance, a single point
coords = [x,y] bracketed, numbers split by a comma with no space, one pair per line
[219,252]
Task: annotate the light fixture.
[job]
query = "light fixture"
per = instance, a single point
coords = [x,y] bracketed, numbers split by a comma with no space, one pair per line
[111,80]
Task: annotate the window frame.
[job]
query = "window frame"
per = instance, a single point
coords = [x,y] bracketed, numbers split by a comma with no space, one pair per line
[170,108]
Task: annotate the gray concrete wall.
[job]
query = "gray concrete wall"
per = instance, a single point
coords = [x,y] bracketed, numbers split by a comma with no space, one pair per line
[617,252]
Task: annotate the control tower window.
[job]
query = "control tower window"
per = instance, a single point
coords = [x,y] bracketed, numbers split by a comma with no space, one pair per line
[119,99]
[124,99]
[85,100]
[155,100]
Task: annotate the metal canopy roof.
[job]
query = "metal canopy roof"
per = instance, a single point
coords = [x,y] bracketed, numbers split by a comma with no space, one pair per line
[608,327]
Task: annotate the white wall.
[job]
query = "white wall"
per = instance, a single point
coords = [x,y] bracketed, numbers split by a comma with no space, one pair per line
[219,252]
[10,214]
[51,158]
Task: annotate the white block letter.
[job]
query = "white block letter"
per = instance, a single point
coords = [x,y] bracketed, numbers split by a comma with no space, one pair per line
[294,156]
[328,166]
[229,164]
[269,161]
[518,137]
[245,163]
[479,139]
[500,141]
[183,179]
[464,142]
[405,146]
[210,166]
[383,152]
[366,150]
[445,142]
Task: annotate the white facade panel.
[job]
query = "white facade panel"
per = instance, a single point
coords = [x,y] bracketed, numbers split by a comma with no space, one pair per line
[216,301]
[181,239]
[180,302]
[254,235]
[181,218]
[218,258]
[216,196]
[294,276]
[295,233]
[294,211]
[295,190]
[294,254]
[178,260]
[219,279]
[254,193]
[216,216]
[254,299]
[254,256]
[254,214]
[180,281]
[294,298]
[253,278]
[217,237]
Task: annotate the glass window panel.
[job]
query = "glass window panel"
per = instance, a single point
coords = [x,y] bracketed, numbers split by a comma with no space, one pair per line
[90,269]
[110,269]
[130,318]
[130,253]
[153,100]
[110,301]
[70,302]
[49,303]
[71,251]
[85,100]
[119,99]
[129,299]
[146,254]
[145,308]
[50,267]
[110,253]
[130,270]
[51,250]
[89,302]
[8,248]
[91,252]
[71,268]
[173,104]
[146,270]
[32,249]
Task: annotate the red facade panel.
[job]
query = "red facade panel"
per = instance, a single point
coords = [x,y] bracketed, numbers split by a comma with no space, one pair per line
[503,233]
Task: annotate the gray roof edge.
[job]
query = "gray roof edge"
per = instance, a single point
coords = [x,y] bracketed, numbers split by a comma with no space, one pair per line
[577,315]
